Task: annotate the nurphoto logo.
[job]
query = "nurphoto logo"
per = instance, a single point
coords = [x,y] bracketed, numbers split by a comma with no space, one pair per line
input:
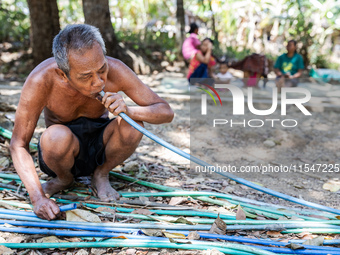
[238,107]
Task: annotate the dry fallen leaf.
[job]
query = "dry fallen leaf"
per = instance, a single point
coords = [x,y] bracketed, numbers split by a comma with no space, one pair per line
[4,162]
[193,235]
[5,251]
[177,200]
[105,209]
[173,235]
[82,215]
[219,227]
[119,237]
[318,241]
[178,241]
[142,211]
[294,246]
[332,186]
[240,215]
[51,239]
[274,233]
[152,232]
[15,239]
[182,220]
[144,200]
[6,225]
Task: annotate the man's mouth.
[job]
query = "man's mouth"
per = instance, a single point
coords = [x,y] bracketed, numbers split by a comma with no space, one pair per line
[99,95]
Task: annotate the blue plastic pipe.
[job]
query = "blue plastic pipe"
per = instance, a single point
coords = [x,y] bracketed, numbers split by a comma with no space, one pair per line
[228,175]
[333,251]
[68,207]
[131,229]
[255,250]
[63,208]
[138,231]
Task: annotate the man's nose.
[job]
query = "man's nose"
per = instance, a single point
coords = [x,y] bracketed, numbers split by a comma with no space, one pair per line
[99,81]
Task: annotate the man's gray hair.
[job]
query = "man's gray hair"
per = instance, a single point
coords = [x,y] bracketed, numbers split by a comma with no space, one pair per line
[75,37]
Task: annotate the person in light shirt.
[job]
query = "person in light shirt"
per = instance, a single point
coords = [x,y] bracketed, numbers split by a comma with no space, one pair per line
[192,44]
[223,76]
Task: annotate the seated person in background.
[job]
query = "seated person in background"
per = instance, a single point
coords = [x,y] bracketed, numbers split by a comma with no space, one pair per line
[288,67]
[191,44]
[223,76]
[201,64]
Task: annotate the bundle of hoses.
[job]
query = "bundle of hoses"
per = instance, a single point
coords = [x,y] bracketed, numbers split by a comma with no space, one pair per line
[105,230]
[115,230]
[27,223]
[138,239]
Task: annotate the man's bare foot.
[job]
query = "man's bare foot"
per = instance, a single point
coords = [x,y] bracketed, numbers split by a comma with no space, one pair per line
[104,190]
[55,185]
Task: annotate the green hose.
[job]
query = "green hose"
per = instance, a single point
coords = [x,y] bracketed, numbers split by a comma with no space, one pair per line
[226,248]
[169,189]
[255,209]
[8,134]
[267,212]
[312,230]
[196,220]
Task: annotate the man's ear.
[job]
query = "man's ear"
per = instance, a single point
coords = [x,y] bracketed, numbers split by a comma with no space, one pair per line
[61,74]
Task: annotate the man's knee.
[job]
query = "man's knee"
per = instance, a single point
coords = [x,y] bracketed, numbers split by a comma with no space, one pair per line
[130,135]
[57,139]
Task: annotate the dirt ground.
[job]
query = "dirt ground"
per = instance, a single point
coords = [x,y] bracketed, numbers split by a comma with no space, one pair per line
[315,141]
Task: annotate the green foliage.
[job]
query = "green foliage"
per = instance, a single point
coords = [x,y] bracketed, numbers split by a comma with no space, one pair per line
[149,41]
[70,11]
[145,25]
[238,54]
[14,21]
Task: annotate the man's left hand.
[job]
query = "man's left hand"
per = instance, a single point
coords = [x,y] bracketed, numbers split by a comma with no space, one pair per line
[114,103]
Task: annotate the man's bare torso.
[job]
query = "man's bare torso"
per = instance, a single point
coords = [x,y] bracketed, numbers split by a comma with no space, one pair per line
[64,103]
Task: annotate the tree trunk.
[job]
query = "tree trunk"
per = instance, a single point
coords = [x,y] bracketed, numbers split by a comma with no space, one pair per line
[213,22]
[44,16]
[97,13]
[180,35]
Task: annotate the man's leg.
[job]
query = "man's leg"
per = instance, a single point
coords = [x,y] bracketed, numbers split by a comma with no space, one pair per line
[59,147]
[120,141]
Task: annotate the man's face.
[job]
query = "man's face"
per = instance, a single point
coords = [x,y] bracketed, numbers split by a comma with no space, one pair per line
[88,70]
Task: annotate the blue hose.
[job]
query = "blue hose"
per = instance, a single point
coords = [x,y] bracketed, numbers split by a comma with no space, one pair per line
[256,250]
[63,208]
[323,250]
[138,231]
[68,207]
[276,227]
[228,175]
[134,228]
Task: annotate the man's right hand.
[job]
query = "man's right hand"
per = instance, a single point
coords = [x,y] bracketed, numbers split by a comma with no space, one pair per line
[46,208]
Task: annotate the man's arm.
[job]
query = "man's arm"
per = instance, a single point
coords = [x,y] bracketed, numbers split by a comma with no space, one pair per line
[151,108]
[32,102]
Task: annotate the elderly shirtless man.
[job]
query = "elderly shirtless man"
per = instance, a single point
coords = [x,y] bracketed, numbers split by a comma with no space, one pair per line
[79,140]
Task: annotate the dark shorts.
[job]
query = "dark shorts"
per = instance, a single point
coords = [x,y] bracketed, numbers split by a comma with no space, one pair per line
[91,148]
